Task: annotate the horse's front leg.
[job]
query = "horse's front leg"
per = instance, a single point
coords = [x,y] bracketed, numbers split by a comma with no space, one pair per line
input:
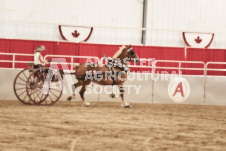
[82,91]
[74,86]
[124,104]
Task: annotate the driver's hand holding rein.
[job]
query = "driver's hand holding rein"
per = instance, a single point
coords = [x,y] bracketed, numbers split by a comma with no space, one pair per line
[38,58]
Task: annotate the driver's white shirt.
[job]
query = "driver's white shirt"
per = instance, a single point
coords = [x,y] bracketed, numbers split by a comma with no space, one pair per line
[36,58]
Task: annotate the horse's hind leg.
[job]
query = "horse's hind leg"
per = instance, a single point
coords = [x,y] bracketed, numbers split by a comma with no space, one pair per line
[121,89]
[74,86]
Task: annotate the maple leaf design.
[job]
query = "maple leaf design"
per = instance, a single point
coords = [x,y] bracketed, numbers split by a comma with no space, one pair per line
[75,34]
[198,40]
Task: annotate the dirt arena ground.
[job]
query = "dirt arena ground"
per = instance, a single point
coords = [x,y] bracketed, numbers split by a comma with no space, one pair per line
[68,126]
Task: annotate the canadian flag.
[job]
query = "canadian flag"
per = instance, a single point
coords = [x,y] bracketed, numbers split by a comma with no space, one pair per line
[75,33]
[198,40]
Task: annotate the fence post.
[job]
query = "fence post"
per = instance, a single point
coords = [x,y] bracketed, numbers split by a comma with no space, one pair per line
[179,68]
[72,63]
[13,61]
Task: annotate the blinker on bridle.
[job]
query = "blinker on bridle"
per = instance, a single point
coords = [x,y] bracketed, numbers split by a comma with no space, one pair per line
[130,50]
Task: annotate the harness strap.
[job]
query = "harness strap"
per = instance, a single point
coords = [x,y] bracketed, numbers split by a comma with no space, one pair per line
[91,68]
[113,75]
[111,63]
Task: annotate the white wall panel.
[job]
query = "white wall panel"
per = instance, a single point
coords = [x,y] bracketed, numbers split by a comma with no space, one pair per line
[114,13]
[172,17]
[166,19]
[215,90]
[138,89]
[196,96]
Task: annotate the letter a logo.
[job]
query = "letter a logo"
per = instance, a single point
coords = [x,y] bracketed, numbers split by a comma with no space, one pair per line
[178,89]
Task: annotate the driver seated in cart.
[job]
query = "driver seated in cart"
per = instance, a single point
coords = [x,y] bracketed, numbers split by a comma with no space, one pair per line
[38,58]
[38,63]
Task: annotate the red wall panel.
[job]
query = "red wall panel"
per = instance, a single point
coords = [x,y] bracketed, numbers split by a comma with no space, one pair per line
[99,50]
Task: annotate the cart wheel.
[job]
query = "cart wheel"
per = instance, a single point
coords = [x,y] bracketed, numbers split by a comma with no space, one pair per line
[45,86]
[20,84]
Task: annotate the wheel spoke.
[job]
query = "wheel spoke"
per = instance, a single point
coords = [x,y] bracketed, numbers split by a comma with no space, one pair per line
[38,95]
[20,83]
[34,96]
[20,88]
[39,90]
[31,79]
[25,75]
[42,96]
[51,98]
[22,93]
[55,89]
[31,91]
[25,97]
[54,94]
[22,79]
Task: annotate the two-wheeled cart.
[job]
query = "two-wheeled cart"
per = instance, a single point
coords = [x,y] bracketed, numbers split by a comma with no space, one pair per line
[41,86]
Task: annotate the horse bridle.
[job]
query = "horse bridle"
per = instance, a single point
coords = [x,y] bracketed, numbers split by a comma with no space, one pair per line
[131,51]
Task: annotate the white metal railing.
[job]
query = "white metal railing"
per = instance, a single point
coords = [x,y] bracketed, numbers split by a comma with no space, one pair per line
[13,61]
[72,63]
[136,66]
[179,68]
[153,65]
[214,69]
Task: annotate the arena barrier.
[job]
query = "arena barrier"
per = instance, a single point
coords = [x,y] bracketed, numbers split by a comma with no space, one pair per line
[6,81]
[215,90]
[215,86]
[193,91]
[178,88]
[188,89]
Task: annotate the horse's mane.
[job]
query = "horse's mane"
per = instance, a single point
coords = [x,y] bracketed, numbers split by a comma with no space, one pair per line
[119,52]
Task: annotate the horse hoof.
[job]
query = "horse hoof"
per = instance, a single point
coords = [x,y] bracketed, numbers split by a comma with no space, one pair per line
[112,95]
[87,104]
[127,106]
[116,96]
[69,98]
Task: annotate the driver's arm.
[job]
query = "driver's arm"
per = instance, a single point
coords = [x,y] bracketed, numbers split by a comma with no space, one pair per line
[41,59]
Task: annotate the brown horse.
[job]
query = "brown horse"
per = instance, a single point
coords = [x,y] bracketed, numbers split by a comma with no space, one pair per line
[111,75]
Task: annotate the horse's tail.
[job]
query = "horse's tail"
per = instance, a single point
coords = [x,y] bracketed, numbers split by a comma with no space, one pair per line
[76,68]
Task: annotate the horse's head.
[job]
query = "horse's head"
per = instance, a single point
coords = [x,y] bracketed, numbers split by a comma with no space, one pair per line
[130,53]
[125,54]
